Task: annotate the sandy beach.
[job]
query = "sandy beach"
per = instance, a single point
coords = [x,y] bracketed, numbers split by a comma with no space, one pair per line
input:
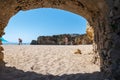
[50,62]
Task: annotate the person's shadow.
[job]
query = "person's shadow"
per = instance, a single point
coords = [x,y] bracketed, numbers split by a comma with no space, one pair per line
[11,73]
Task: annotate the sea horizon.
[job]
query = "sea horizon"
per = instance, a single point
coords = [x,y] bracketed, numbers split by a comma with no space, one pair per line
[15,43]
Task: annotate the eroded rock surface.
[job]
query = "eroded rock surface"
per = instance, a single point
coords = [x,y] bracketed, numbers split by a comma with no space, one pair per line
[72,39]
[103,16]
[90,32]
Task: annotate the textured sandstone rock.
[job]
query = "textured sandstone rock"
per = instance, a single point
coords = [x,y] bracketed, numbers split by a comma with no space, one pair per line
[78,51]
[1,48]
[90,32]
[72,39]
[102,15]
[1,56]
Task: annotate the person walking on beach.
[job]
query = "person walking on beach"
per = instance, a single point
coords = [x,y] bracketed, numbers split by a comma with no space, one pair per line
[20,41]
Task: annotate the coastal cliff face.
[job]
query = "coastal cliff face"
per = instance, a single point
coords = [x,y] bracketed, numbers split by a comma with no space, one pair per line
[73,39]
[102,15]
[90,32]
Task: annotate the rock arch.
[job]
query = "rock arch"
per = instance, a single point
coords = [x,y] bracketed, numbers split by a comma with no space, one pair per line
[103,16]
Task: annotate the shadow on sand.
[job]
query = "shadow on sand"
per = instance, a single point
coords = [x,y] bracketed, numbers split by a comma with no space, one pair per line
[11,73]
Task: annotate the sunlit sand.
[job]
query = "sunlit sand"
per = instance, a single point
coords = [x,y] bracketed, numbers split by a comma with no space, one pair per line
[56,60]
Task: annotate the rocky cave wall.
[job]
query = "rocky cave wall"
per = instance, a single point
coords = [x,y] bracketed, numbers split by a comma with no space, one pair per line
[102,15]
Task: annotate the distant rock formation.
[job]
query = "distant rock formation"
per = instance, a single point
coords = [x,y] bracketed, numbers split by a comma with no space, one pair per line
[72,39]
[82,39]
[33,42]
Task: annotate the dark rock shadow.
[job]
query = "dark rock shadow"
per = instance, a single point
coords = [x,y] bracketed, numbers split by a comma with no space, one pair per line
[11,73]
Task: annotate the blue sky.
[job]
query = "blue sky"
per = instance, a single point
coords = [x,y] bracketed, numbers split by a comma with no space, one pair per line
[30,24]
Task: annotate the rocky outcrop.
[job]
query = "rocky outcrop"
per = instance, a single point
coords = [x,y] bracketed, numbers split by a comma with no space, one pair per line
[90,32]
[73,39]
[33,42]
[47,40]
[102,15]
[82,39]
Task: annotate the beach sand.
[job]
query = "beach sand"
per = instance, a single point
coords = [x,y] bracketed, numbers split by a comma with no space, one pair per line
[49,62]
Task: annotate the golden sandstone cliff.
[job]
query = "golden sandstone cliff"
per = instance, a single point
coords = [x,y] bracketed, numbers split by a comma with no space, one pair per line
[90,32]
